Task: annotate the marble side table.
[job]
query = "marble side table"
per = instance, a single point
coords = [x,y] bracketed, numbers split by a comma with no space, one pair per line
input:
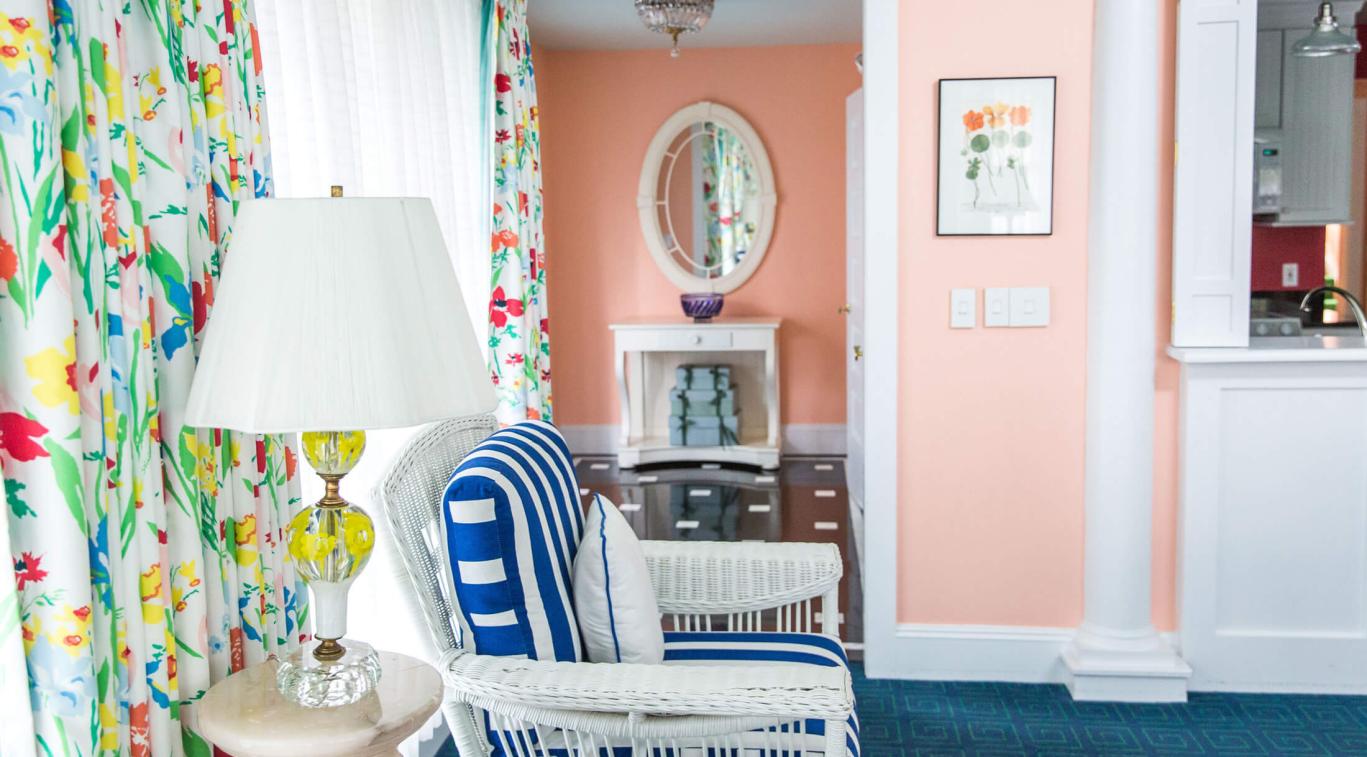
[245,716]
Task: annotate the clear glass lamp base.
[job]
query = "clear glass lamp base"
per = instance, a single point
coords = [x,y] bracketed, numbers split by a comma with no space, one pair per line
[309,682]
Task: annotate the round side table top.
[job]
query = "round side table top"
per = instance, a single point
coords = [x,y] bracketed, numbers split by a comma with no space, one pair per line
[246,716]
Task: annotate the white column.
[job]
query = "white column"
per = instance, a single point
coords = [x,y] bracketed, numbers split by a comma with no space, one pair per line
[1117,655]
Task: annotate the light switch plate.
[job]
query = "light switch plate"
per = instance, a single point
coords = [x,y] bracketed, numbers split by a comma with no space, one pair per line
[963,308]
[996,307]
[1291,274]
[1029,306]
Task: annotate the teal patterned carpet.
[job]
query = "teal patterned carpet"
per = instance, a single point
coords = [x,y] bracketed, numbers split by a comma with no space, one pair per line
[999,719]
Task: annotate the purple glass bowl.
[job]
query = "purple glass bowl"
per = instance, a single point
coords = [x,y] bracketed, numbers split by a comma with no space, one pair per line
[701,307]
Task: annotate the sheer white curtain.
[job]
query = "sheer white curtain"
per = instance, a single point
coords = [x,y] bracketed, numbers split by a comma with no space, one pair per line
[383,97]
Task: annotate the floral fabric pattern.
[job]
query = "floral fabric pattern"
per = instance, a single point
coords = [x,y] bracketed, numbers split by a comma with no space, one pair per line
[728,185]
[519,327]
[144,558]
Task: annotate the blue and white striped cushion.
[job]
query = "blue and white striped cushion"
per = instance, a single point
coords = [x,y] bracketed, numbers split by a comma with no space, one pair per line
[760,648]
[512,524]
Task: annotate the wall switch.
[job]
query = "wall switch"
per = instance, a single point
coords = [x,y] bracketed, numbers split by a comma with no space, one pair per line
[1291,274]
[963,308]
[1029,306]
[996,307]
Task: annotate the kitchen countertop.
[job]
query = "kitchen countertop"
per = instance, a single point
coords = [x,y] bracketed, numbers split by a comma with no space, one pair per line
[1279,349]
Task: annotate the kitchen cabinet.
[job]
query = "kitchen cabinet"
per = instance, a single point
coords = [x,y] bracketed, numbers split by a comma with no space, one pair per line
[1308,104]
[1272,530]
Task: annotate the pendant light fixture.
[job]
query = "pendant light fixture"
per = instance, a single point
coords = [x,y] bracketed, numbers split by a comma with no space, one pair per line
[1327,38]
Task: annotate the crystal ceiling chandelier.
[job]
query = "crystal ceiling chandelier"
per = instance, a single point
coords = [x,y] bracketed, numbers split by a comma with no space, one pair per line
[674,17]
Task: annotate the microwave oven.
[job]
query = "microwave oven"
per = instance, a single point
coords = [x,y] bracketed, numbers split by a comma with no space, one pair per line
[1267,172]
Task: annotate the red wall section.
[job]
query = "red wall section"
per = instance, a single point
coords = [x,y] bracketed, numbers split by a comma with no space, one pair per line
[1362,57]
[1273,246]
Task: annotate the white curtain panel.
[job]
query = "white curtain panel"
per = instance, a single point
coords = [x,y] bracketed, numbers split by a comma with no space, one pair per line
[383,97]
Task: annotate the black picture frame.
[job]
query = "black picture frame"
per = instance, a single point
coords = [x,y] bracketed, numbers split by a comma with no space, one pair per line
[942,149]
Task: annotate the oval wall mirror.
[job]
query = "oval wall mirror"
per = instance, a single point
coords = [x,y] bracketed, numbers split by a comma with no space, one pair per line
[707,199]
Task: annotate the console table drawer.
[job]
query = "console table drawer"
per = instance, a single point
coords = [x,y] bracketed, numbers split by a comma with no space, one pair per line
[701,339]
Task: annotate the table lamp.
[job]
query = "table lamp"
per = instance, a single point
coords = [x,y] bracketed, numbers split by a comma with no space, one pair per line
[332,316]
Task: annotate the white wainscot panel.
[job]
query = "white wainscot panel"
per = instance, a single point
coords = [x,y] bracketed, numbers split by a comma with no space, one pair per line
[1273,532]
[1290,548]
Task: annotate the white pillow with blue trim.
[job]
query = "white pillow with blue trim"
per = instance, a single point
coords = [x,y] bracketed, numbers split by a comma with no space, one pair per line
[619,620]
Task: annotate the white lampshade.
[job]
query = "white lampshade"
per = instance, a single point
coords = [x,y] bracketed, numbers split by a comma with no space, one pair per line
[337,314]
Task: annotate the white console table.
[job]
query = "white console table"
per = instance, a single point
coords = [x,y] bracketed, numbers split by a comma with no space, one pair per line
[645,356]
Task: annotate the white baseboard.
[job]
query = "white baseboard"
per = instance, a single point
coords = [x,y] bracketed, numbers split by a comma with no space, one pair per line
[814,439]
[798,439]
[1273,687]
[1018,654]
[592,440]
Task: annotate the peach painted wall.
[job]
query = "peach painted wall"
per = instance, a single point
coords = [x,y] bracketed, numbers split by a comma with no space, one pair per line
[599,111]
[991,433]
[1167,372]
[992,425]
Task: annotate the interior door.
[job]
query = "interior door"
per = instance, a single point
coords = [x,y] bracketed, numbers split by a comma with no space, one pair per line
[854,306]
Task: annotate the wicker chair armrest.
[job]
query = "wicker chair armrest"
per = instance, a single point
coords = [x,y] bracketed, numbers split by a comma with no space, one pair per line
[725,691]
[727,577]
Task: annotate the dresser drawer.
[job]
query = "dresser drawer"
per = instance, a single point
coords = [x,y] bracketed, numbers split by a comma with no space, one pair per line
[696,339]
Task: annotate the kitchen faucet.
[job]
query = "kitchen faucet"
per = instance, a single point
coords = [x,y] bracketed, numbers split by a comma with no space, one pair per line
[1353,304]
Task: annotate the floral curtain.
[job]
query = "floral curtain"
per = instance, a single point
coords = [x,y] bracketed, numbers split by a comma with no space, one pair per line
[519,327]
[727,186]
[143,554]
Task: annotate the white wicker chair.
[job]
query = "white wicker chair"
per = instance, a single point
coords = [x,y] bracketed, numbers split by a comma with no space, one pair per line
[539,707]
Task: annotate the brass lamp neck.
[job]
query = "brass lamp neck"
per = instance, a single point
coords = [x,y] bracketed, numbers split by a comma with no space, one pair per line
[331,493]
[328,650]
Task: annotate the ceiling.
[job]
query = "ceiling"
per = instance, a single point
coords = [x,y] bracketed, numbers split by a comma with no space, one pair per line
[613,25]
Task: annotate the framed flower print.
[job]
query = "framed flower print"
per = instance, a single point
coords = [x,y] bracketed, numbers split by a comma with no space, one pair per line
[996,157]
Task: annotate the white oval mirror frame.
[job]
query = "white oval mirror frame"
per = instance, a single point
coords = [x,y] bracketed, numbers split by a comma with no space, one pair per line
[647,203]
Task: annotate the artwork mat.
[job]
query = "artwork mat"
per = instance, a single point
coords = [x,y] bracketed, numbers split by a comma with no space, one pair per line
[956,98]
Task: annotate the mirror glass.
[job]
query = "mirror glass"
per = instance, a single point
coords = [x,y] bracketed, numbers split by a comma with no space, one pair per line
[708,200]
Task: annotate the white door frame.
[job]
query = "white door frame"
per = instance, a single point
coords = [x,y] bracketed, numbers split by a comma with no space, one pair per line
[882,134]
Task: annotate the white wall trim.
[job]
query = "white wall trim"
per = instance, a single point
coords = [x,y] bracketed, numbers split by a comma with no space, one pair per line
[883,647]
[1273,687]
[592,439]
[1019,654]
[814,439]
[798,439]
[431,738]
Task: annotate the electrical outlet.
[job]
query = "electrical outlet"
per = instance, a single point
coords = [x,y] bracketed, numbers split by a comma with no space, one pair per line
[1291,274]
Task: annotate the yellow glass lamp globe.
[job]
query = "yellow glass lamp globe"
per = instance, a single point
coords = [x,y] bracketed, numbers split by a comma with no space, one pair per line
[332,539]
[330,542]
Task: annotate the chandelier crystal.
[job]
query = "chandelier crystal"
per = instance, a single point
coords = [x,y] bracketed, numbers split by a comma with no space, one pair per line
[674,17]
